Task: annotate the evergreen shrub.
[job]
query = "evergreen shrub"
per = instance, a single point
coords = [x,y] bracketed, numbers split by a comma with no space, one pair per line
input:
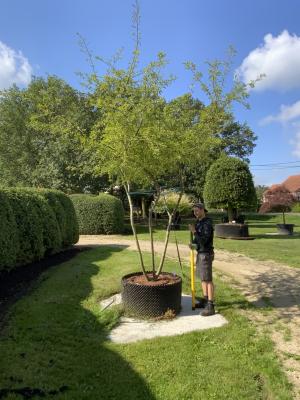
[34,223]
[102,214]
[229,184]
[9,238]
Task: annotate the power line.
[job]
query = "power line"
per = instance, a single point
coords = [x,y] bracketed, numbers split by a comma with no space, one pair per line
[273,168]
[278,163]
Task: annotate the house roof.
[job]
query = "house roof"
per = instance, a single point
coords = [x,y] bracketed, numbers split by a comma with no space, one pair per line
[274,186]
[292,183]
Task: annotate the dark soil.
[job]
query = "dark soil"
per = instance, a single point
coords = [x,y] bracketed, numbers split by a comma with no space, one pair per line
[163,279]
[16,283]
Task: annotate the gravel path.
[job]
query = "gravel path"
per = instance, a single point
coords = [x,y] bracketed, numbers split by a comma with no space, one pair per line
[264,283]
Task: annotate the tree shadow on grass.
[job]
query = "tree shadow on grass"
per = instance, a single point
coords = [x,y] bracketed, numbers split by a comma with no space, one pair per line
[276,288]
[54,347]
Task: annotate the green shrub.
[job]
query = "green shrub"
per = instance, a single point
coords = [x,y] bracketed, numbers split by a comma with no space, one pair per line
[29,224]
[229,185]
[52,239]
[296,207]
[34,222]
[64,211]
[98,214]
[168,200]
[9,238]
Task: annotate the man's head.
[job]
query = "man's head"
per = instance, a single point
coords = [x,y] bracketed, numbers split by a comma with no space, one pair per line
[199,210]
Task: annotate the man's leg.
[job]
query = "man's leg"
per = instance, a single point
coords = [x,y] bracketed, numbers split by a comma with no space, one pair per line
[209,286]
[210,290]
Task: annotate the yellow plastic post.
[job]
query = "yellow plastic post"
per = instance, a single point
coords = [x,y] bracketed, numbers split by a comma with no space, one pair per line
[192,263]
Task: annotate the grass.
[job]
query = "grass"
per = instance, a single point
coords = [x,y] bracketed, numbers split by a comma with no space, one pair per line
[54,343]
[282,249]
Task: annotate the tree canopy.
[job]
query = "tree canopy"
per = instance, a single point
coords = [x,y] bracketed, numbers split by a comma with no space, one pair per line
[278,199]
[229,185]
[42,132]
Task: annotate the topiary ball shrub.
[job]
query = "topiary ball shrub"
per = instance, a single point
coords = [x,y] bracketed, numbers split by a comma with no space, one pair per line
[229,185]
[102,214]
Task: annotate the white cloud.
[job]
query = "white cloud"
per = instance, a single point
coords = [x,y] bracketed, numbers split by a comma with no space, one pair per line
[278,58]
[296,144]
[286,114]
[289,117]
[14,67]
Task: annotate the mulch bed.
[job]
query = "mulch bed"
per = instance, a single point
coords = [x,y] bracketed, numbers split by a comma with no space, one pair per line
[16,283]
[163,279]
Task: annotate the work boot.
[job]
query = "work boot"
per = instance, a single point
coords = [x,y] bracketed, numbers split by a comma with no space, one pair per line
[202,302]
[208,310]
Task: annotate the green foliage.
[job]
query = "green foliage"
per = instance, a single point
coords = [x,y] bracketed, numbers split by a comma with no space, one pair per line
[103,214]
[260,190]
[9,239]
[31,225]
[168,201]
[52,198]
[42,134]
[229,184]
[52,239]
[65,214]
[296,207]
[70,233]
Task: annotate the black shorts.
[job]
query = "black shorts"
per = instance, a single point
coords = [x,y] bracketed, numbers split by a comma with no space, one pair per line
[204,266]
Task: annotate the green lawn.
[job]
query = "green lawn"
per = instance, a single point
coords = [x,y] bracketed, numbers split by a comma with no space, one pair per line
[54,342]
[283,249]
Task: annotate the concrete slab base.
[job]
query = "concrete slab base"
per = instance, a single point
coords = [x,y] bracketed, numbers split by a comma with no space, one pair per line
[131,330]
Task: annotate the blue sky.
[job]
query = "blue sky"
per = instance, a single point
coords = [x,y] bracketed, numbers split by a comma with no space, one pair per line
[39,38]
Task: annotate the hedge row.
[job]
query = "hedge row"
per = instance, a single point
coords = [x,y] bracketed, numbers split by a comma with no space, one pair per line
[34,223]
[102,214]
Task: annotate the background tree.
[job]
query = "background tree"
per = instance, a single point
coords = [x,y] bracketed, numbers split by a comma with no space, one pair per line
[232,137]
[260,190]
[279,199]
[42,132]
[229,185]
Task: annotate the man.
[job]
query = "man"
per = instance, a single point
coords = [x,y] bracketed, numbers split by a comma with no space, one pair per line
[203,237]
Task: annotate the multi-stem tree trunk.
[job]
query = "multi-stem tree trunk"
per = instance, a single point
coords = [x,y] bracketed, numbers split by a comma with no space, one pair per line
[151,241]
[127,190]
[162,260]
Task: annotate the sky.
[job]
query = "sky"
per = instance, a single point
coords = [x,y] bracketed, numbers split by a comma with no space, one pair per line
[39,38]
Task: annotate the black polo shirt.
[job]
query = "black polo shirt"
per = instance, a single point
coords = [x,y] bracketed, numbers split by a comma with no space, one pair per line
[204,235]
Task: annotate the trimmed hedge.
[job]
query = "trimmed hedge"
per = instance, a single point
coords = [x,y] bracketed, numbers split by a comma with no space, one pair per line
[65,214]
[31,225]
[9,239]
[102,214]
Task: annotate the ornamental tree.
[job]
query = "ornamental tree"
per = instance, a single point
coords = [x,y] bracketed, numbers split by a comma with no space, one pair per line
[229,185]
[141,140]
[279,199]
